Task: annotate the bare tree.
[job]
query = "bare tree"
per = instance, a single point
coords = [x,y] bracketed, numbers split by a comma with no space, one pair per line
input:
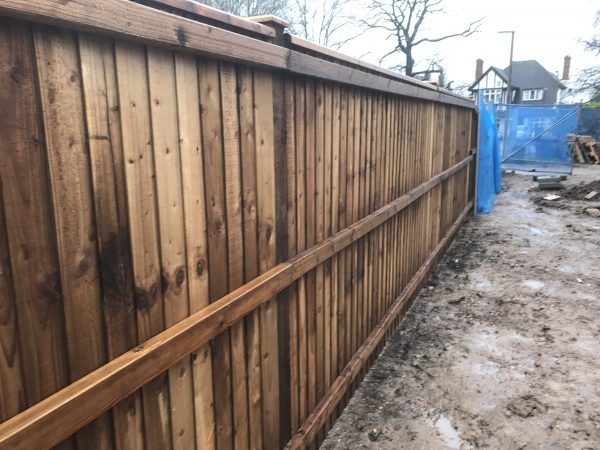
[588,80]
[328,22]
[248,8]
[403,20]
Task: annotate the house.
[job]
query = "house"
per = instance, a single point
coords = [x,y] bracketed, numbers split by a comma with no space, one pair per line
[531,83]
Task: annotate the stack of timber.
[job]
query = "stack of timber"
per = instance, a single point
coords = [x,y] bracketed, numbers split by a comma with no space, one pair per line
[207,231]
[584,149]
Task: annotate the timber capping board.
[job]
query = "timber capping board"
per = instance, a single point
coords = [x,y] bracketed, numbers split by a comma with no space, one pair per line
[217,17]
[127,20]
[52,420]
[295,42]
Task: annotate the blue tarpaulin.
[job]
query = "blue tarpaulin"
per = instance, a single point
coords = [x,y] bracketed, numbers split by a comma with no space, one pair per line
[489,163]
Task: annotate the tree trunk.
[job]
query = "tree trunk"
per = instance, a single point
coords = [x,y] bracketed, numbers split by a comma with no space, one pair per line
[410,65]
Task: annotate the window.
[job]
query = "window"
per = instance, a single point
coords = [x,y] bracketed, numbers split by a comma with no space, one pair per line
[492,95]
[532,94]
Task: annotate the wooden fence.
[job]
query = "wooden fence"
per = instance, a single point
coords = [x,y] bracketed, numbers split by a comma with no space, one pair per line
[207,232]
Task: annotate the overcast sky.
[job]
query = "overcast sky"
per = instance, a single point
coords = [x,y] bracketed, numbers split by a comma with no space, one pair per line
[545,30]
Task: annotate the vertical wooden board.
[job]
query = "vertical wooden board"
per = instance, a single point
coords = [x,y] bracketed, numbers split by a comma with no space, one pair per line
[335,195]
[194,207]
[235,247]
[59,81]
[301,230]
[106,156]
[377,152]
[394,193]
[214,185]
[446,192]
[364,143]
[349,219]
[289,96]
[12,392]
[310,175]
[320,233]
[358,105]
[368,144]
[380,145]
[453,179]
[341,224]
[385,174]
[438,162]
[167,163]
[28,218]
[468,124]
[251,269]
[368,147]
[143,227]
[430,113]
[265,175]
[327,218]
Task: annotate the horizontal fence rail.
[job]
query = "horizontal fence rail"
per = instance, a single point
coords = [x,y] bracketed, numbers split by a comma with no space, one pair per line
[50,420]
[207,229]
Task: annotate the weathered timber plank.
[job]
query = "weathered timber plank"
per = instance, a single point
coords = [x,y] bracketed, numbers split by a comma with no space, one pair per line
[97,392]
[167,166]
[194,206]
[59,81]
[28,219]
[265,193]
[110,206]
[12,393]
[251,268]
[134,21]
[214,185]
[134,108]
[235,248]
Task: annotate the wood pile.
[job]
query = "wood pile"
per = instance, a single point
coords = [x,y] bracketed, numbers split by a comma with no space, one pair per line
[584,149]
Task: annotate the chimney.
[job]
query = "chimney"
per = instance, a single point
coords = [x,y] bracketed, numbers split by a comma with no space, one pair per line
[566,67]
[478,68]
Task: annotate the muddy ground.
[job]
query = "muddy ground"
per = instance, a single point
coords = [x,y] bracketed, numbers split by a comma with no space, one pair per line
[501,349]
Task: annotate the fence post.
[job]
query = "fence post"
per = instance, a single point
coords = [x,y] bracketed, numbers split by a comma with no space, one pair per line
[281,218]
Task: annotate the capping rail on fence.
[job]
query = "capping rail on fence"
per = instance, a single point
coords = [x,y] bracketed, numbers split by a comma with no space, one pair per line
[205,237]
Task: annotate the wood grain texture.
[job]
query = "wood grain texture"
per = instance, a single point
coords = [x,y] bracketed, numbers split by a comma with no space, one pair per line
[134,107]
[12,393]
[312,424]
[28,218]
[251,267]
[237,233]
[102,116]
[214,184]
[166,153]
[194,206]
[61,99]
[265,190]
[235,247]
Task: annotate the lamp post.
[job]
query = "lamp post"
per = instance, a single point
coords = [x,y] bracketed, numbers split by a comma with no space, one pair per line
[512,45]
[509,91]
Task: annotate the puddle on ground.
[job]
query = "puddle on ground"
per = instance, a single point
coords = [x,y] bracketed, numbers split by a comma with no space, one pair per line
[447,432]
[540,232]
[519,195]
[486,369]
[534,284]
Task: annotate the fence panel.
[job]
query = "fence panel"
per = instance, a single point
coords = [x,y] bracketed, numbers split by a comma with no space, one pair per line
[201,247]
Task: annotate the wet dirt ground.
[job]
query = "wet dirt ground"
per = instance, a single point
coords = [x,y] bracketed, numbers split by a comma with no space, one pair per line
[501,349]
